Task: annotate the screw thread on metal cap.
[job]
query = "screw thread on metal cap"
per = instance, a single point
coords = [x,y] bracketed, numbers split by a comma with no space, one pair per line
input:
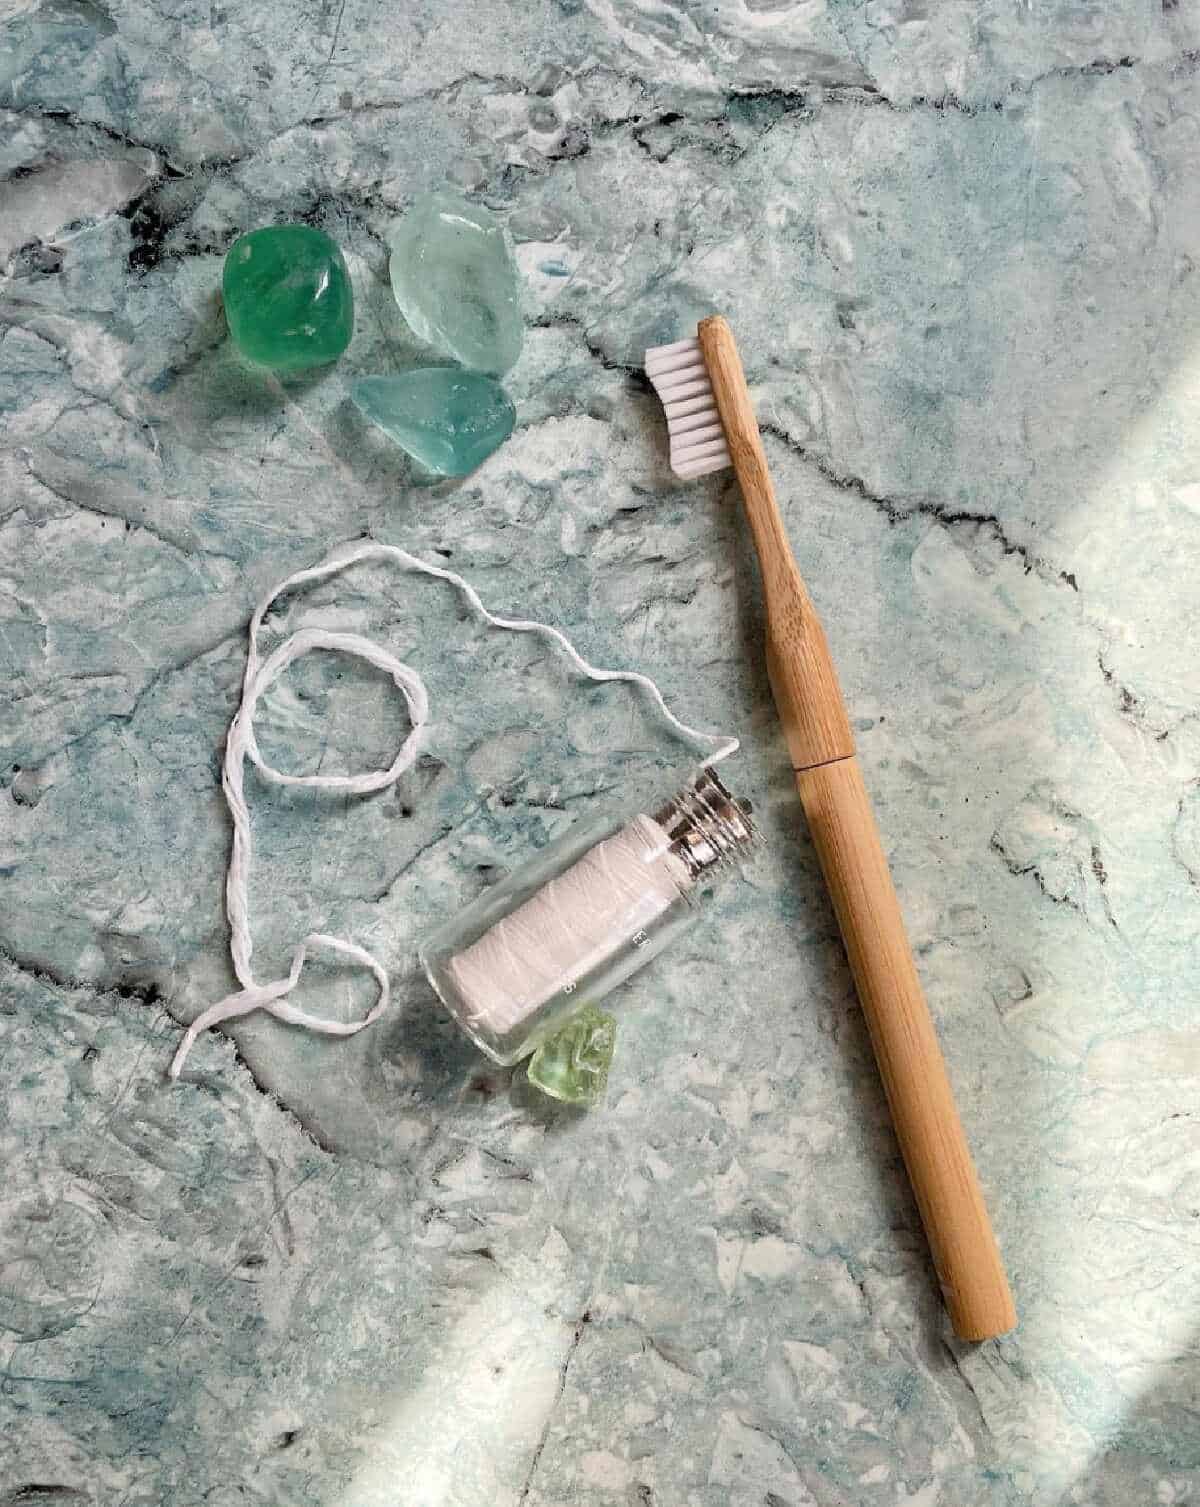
[708,828]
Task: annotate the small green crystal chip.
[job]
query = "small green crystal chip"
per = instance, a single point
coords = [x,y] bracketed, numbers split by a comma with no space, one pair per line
[288,299]
[573,1064]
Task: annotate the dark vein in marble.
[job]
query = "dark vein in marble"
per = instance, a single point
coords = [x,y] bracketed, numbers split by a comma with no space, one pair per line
[803,96]
[895,512]
[1178,853]
[559,321]
[188,547]
[962,1375]
[45,973]
[1133,708]
[580,1325]
[672,1355]
[152,226]
[55,1493]
[1022,870]
[1031,870]
[503,82]
[949,518]
[758,1425]
[808,95]
[195,1078]
[109,133]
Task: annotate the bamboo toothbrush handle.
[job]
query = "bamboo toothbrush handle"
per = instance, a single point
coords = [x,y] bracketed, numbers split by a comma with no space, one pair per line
[928,1128]
[839,814]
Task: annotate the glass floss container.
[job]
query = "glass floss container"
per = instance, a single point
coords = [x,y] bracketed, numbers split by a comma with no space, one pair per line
[588,911]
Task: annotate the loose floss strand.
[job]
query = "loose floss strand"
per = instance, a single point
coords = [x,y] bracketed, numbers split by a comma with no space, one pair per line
[241,744]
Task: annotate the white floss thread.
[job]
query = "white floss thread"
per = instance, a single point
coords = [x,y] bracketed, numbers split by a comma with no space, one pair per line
[241,745]
[570,926]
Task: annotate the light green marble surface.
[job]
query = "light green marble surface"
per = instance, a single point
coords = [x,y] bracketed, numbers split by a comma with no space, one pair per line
[959,243]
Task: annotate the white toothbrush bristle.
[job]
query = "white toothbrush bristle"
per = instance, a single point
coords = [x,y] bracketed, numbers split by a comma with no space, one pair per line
[678,374]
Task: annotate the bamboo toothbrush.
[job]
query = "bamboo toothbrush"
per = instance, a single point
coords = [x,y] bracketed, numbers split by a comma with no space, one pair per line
[711,424]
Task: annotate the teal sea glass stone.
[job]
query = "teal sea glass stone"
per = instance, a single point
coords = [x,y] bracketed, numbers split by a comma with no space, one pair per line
[573,1064]
[456,282]
[288,300]
[448,419]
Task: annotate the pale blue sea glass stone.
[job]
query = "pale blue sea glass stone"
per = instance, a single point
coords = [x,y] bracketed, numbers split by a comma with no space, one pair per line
[456,282]
[448,419]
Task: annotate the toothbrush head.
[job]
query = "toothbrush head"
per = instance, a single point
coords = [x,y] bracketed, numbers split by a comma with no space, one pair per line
[679,375]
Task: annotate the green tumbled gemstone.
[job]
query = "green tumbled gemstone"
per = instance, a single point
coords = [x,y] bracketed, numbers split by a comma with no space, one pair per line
[456,283]
[448,419]
[288,300]
[573,1065]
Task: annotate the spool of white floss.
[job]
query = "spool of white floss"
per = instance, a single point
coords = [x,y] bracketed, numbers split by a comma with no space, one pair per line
[583,916]
[568,927]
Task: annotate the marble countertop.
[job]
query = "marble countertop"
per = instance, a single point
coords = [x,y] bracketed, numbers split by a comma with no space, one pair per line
[959,244]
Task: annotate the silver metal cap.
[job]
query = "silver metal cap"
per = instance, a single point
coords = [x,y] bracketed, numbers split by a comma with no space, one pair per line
[709,829]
